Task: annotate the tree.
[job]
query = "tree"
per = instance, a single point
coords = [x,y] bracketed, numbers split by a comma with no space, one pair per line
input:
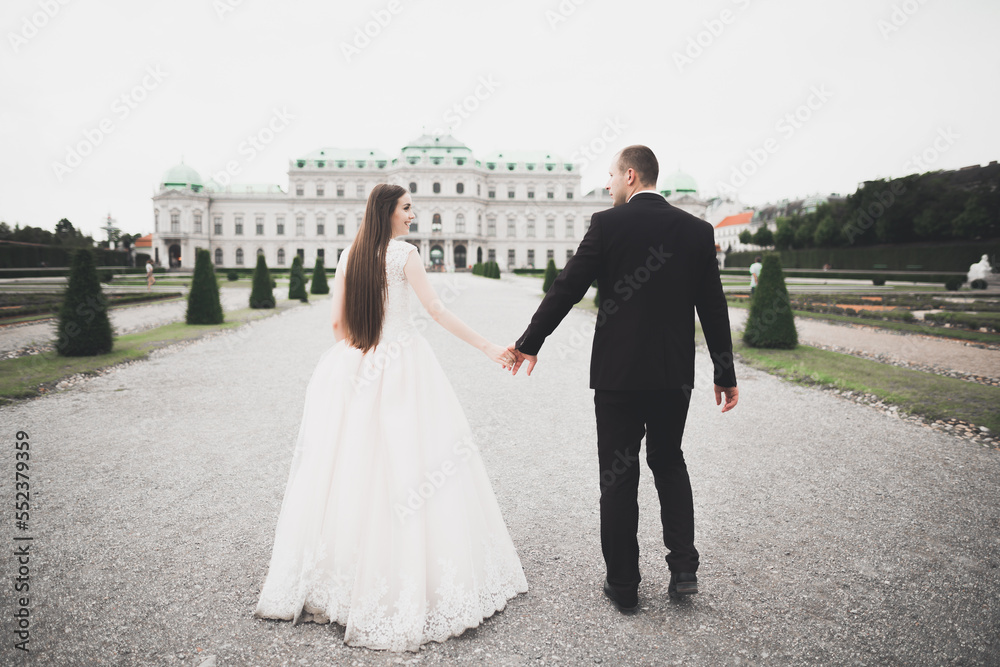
[746,237]
[784,237]
[771,323]
[764,237]
[203,305]
[297,281]
[5,231]
[84,326]
[827,233]
[550,275]
[261,294]
[319,284]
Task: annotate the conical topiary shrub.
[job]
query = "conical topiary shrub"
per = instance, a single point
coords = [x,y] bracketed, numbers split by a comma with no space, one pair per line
[319,284]
[477,269]
[550,275]
[297,281]
[84,327]
[203,305]
[771,323]
[261,294]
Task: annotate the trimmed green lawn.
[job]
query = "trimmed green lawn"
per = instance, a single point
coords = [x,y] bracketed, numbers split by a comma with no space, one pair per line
[916,392]
[32,375]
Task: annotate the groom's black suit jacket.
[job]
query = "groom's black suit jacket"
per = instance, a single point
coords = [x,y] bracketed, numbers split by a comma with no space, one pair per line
[655,265]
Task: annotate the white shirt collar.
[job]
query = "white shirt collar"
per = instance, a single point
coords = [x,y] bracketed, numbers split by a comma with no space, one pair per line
[641,192]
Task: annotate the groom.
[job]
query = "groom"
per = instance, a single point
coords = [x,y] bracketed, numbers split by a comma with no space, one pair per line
[654,265]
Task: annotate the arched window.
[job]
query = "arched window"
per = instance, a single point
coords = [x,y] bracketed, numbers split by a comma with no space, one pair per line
[460,223]
[437,188]
[460,188]
[218,256]
[239,255]
[260,251]
[413,188]
[281,256]
[436,223]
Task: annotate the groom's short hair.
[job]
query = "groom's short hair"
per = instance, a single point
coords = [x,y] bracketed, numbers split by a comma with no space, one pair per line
[641,160]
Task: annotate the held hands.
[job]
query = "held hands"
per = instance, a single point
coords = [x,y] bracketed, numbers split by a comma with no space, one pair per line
[732,397]
[520,357]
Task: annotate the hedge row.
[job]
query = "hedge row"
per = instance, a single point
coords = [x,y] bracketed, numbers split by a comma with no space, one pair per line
[929,256]
[907,277]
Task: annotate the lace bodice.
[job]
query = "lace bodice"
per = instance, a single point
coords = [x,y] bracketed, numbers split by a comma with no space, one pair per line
[398,318]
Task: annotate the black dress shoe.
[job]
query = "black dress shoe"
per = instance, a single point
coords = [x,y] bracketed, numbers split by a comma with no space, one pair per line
[623,606]
[681,584]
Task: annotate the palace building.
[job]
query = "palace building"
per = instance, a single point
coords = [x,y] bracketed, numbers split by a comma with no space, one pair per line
[518,209]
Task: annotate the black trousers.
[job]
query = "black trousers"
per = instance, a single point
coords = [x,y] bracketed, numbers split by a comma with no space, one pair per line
[623,418]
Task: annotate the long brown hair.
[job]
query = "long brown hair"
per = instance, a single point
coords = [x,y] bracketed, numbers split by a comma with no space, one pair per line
[364,279]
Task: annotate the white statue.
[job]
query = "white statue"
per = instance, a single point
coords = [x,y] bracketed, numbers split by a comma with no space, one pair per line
[981,270]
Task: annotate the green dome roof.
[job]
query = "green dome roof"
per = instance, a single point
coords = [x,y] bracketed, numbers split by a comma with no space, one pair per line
[181,176]
[678,182]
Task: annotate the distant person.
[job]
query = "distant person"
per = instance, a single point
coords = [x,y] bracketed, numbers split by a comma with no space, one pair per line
[149,275]
[755,273]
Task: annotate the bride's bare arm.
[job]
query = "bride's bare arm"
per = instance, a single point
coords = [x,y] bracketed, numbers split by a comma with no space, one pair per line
[337,308]
[417,277]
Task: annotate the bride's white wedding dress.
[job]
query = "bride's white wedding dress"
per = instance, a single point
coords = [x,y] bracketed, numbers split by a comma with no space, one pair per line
[389,524]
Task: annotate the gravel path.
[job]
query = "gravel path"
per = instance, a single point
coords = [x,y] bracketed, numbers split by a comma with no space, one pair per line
[910,349]
[124,320]
[830,532]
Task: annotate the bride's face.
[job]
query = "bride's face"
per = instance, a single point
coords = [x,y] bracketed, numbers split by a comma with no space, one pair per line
[402,216]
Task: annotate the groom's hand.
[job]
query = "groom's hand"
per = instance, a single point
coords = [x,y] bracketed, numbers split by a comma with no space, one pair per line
[732,397]
[532,358]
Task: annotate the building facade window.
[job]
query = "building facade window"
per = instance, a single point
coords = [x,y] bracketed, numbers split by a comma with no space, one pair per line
[259,224]
[156,220]
[531,193]
[491,226]
[413,188]
[281,225]
[260,251]
[436,188]
[340,190]
[511,257]
[491,256]
[531,258]
[340,225]
[217,223]
[300,226]
[320,190]
[569,193]
[361,191]
[570,227]
[340,251]
[320,225]
[569,254]
[511,193]
[460,188]
[550,254]
[197,222]
[239,224]
[175,221]
[281,256]
[299,190]
[511,228]
[550,228]
[436,223]
[551,193]
[239,255]
[479,225]
[460,223]
[492,194]
[531,228]
[479,189]
[218,256]
[320,254]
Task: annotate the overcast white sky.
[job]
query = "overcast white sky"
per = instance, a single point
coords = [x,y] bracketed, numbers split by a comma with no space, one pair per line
[893,77]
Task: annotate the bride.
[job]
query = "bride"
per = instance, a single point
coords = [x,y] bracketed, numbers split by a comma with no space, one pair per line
[389,525]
